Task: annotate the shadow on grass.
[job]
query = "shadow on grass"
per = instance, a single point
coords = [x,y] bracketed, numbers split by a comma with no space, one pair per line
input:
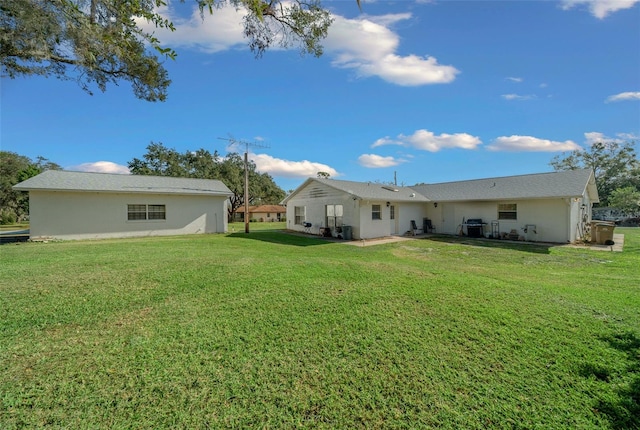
[623,408]
[492,243]
[282,238]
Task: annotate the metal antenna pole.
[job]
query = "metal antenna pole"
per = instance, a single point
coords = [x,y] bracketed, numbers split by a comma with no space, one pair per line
[246,173]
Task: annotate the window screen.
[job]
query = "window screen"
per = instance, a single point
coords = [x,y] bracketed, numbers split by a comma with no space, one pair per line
[376,212]
[507,211]
[146,212]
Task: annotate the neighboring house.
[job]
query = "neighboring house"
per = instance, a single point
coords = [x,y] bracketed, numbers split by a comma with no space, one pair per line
[261,213]
[546,207]
[267,213]
[78,205]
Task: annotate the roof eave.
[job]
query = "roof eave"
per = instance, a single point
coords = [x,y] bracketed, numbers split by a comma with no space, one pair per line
[139,191]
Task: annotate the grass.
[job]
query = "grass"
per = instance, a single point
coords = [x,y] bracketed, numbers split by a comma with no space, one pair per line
[271,330]
[14,226]
[257,226]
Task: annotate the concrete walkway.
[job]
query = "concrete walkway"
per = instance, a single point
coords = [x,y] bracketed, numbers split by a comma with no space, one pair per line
[618,240]
[618,245]
[381,240]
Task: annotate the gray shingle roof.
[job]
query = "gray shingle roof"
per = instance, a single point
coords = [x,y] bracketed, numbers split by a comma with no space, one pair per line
[60,180]
[564,184]
[369,190]
[570,183]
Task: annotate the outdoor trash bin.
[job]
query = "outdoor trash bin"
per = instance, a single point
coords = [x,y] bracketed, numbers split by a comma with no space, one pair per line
[346,232]
[604,232]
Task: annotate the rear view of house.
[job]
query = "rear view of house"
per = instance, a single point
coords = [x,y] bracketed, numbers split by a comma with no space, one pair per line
[78,205]
[544,207]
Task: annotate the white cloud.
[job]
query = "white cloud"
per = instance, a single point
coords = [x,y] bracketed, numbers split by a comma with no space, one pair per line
[290,169]
[629,95]
[595,136]
[385,141]
[377,161]
[517,143]
[600,8]
[513,79]
[427,141]
[628,136]
[368,46]
[100,167]
[517,97]
[210,33]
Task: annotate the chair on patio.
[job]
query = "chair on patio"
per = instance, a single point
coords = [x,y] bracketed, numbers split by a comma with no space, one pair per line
[428,226]
[414,228]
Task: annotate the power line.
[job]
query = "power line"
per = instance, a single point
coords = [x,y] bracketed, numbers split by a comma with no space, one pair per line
[246,144]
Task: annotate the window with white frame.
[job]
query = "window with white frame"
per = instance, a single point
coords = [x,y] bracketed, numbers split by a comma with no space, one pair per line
[334,215]
[392,212]
[508,211]
[300,214]
[139,212]
[376,212]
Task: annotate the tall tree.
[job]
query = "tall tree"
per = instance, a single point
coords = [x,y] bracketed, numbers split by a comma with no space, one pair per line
[101,42]
[14,168]
[163,161]
[615,165]
[626,199]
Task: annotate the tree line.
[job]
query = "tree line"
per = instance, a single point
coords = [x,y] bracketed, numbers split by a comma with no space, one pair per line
[162,161]
[14,168]
[616,168]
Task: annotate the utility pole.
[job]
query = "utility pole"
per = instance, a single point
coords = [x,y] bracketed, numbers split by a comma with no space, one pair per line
[246,173]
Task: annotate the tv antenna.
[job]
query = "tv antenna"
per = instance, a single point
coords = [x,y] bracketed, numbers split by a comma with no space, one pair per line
[246,144]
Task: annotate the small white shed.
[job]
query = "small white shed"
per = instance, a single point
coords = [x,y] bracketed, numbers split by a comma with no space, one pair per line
[79,205]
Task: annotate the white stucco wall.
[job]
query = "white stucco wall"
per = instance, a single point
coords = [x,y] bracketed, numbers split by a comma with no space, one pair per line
[404,213]
[315,201]
[90,215]
[551,218]
[580,217]
[356,213]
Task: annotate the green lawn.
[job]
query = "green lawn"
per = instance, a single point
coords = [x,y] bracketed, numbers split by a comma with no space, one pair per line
[15,226]
[257,226]
[270,330]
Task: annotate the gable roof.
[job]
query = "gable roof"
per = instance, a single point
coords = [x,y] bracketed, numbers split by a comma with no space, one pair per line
[563,184]
[61,180]
[366,190]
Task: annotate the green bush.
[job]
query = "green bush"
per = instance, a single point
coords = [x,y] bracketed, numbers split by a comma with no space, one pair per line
[7,216]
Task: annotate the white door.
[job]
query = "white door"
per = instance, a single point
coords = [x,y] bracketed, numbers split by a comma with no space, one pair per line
[448,220]
[393,219]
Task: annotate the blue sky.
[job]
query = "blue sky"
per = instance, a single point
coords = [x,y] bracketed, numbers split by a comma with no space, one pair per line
[429,91]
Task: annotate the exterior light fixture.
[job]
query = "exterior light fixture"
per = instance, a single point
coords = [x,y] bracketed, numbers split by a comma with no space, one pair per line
[435,204]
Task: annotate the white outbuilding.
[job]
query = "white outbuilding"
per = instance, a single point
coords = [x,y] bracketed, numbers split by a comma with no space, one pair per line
[79,205]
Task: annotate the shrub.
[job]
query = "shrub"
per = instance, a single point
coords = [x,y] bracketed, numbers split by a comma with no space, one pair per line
[7,216]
